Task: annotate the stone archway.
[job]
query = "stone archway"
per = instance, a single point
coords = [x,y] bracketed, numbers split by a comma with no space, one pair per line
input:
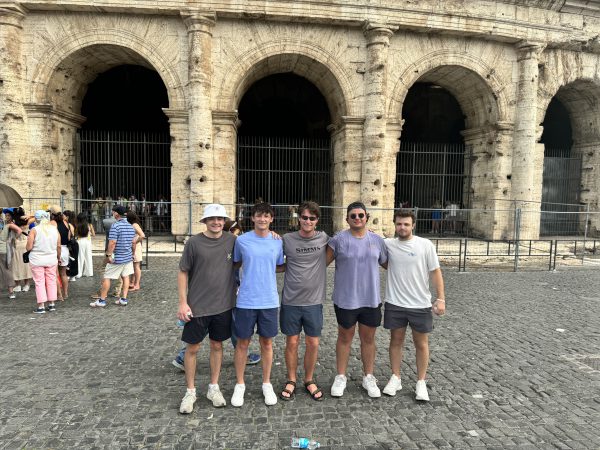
[479,95]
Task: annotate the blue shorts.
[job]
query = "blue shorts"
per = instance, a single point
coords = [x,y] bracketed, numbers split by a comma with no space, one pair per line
[265,320]
[292,319]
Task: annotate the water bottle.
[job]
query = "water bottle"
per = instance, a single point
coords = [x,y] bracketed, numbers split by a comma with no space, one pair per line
[304,443]
[180,323]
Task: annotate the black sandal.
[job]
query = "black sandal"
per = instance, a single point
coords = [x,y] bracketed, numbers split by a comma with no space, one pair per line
[292,394]
[313,394]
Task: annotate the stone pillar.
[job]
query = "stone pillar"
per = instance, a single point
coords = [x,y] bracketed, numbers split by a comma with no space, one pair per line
[225,150]
[392,148]
[590,182]
[528,156]
[375,180]
[487,170]
[346,140]
[13,134]
[180,170]
[200,133]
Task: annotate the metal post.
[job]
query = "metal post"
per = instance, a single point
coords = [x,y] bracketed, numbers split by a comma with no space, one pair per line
[62,202]
[585,231]
[416,211]
[190,212]
[517,237]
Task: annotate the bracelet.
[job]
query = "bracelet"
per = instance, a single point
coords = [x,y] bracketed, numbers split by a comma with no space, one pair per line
[440,300]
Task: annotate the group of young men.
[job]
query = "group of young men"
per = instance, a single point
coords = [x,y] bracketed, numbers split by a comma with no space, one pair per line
[209,305]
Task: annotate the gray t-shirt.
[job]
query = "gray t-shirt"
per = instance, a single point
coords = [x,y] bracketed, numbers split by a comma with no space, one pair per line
[304,283]
[356,283]
[211,280]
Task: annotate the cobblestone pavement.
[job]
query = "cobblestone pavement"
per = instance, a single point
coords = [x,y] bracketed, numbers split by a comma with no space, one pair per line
[514,364]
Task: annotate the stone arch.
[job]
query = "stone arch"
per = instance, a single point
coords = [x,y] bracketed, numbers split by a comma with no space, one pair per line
[470,80]
[306,60]
[74,62]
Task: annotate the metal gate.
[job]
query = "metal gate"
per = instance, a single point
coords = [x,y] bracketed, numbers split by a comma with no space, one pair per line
[560,192]
[284,171]
[124,163]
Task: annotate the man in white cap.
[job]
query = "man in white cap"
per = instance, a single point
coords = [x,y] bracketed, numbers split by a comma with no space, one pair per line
[207,289]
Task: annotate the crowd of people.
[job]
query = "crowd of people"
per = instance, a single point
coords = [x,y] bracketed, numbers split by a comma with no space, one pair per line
[53,248]
[214,302]
[152,215]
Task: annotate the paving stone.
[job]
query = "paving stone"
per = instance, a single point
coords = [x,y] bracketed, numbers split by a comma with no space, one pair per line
[84,378]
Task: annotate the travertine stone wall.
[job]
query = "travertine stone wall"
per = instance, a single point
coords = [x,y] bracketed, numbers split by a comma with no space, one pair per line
[502,61]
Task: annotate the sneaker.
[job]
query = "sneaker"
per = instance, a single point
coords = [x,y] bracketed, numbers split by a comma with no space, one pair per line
[179,364]
[187,404]
[72,279]
[40,310]
[253,358]
[25,288]
[215,396]
[237,399]
[393,386]
[370,384]
[12,296]
[17,289]
[269,393]
[52,307]
[339,385]
[98,303]
[121,302]
[421,391]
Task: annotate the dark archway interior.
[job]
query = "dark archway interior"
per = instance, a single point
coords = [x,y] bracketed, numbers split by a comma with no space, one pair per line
[285,105]
[557,136]
[284,152]
[124,143]
[430,164]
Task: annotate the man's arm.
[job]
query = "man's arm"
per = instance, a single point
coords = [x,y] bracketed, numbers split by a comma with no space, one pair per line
[183,312]
[280,269]
[330,255]
[439,306]
[109,251]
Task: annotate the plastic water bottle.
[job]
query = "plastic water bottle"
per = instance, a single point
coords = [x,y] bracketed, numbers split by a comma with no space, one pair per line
[304,443]
[180,323]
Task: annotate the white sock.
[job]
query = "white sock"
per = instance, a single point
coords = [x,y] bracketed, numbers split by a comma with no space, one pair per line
[266,385]
[213,386]
[191,391]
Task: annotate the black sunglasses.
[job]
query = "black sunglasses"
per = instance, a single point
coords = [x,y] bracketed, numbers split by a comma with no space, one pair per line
[311,218]
[359,215]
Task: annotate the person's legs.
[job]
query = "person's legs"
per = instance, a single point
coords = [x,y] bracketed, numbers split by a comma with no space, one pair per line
[189,363]
[266,353]
[367,347]
[421,341]
[40,284]
[342,348]
[137,274]
[64,278]
[50,280]
[291,363]
[241,352]
[105,288]
[125,290]
[396,348]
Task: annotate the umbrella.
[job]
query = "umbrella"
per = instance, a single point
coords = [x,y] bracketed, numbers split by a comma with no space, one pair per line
[9,198]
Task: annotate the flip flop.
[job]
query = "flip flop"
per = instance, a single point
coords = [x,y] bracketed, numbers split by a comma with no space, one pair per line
[313,394]
[292,394]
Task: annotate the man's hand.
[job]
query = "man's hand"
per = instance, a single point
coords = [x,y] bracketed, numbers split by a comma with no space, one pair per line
[275,236]
[439,307]
[184,313]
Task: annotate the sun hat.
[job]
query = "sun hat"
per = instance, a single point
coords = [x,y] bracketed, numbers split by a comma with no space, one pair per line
[41,214]
[54,209]
[214,210]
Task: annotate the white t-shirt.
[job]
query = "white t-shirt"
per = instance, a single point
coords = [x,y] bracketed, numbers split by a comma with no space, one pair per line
[409,265]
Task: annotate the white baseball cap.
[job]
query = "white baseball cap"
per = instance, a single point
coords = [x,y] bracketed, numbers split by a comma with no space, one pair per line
[214,210]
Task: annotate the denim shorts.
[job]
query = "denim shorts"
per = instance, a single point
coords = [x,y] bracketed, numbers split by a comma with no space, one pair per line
[292,319]
[419,319]
[265,321]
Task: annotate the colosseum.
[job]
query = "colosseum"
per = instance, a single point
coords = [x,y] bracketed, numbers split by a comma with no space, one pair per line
[476,103]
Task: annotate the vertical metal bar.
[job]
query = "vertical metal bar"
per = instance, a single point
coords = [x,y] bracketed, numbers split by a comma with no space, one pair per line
[550,258]
[465,256]
[518,232]
[585,231]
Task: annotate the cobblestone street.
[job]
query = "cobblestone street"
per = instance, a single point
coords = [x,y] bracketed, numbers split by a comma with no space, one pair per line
[514,364]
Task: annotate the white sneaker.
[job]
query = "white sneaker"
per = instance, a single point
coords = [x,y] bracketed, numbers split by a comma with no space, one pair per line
[237,399]
[25,288]
[215,396]
[421,390]
[17,288]
[338,386]
[187,404]
[393,386]
[12,296]
[370,384]
[270,397]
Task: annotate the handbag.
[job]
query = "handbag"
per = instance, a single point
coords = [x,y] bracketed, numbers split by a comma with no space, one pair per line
[26,257]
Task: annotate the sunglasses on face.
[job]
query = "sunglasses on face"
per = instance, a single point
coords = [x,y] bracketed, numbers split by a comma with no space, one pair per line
[311,218]
[359,215]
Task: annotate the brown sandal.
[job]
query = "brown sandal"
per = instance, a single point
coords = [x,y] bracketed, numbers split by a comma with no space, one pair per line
[313,394]
[292,394]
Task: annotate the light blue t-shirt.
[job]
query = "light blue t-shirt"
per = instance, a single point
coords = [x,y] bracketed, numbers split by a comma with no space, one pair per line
[356,282]
[259,257]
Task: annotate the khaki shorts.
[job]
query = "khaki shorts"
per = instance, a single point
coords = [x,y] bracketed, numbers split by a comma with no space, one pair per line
[115,271]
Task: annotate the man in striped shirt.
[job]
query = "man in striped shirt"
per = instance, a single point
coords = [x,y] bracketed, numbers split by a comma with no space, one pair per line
[118,257]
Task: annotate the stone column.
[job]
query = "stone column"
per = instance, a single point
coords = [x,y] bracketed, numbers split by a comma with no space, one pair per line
[346,140]
[13,134]
[225,150]
[487,170]
[376,158]
[180,170]
[200,133]
[528,156]
[590,182]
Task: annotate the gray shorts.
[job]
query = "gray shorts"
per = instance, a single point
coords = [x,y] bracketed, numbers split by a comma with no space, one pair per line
[419,319]
[292,319]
